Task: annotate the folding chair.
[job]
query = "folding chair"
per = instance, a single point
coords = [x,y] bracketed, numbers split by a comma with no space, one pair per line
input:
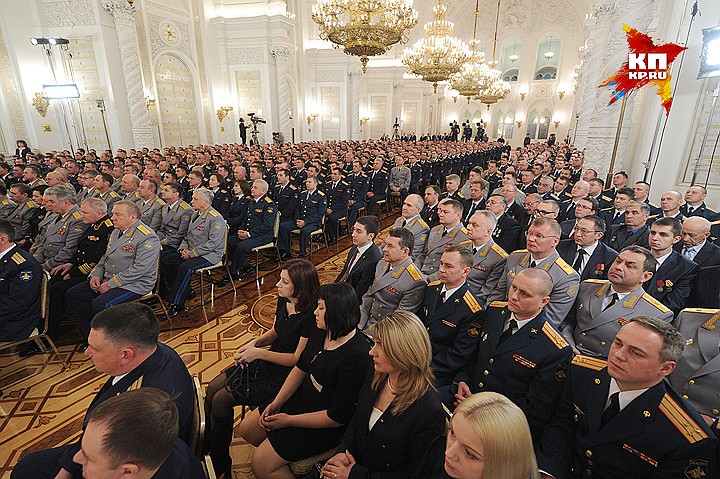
[318,232]
[223,263]
[272,244]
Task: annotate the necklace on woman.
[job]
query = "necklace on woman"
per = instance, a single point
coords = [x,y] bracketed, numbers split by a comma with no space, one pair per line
[392,389]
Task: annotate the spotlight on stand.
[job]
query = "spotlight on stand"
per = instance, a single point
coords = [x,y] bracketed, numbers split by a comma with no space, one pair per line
[710,55]
[39,41]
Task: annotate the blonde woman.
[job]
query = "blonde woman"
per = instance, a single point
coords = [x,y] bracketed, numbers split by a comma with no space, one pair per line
[399,414]
[489,438]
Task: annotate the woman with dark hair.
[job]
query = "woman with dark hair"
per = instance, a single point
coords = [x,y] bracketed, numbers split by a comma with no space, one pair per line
[312,410]
[22,149]
[259,373]
[39,215]
[399,414]
[235,216]
[221,196]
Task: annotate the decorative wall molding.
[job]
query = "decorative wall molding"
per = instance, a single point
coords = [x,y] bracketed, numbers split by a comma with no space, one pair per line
[69,13]
[246,56]
[378,87]
[159,6]
[165,33]
[11,92]
[330,76]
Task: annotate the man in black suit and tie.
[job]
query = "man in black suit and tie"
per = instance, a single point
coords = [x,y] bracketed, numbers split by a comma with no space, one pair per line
[507,229]
[619,418]
[430,210]
[476,201]
[675,276]
[359,269]
[567,208]
[635,231]
[695,244]
[585,252]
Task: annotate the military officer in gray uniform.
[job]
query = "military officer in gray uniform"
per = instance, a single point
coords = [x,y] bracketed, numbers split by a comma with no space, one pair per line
[127,270]
[543,236]
[697,374]
[604,306]
[103,190]
[204,245]
[398,283]
[489,258]
[129,188]
[175,218]
[22,214]
[6,204]
[411,220]
[448,233]
[58,243]
[400,177]
[150,205]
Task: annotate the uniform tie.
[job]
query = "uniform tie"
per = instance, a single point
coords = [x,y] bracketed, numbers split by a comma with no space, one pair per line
[690,210]
[578,261]
[404,223]
[442,296]
[533,264]
[613,300]
[509,330]
[444,232]
[612,410]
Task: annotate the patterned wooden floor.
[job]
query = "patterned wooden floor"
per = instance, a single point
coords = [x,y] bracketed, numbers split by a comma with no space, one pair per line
[43,406]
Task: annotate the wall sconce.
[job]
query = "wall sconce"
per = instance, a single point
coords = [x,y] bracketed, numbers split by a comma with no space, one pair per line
[556,123]
[519,123]
[222,113]
[454,98]
[41,103]
[311,118]
[149,101]
[561,94]
[363,121]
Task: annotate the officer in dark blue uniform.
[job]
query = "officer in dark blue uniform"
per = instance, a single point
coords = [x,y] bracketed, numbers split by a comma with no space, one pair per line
[20,285]
[426,174]
[308,218]
[520,354]
[451,313]
[415,176]
[338,195]
[286,196]
[377,185]
[358,184]
[695,204]
[255,229]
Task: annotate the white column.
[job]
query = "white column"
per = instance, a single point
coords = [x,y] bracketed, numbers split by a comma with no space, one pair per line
[354,76]
[606,47]
[122,13]
[284,83]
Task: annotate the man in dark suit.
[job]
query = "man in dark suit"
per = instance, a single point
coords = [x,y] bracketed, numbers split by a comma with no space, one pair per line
[514,208]
[620,180]
[670,203]
[476,202]
[618,418]
[635,231]
[596,257]
[359,269]
[123,343]
[507,229]
[20,287]
[377,185]
[584,207]
[451,313]
[695,204]
[567,208]
[695,245]
[675,277]
[520,354]
[430,210]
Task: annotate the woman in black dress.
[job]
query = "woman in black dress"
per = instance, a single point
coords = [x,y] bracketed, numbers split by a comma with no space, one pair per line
[311,412]
[399,413]
[294,321]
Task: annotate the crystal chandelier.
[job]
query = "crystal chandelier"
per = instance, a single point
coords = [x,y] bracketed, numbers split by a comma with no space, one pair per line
[467,80]
[493,87]
[438,55]
[549,54]
[364,27]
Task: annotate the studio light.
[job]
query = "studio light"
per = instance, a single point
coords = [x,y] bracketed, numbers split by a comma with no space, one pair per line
[710,54]
[58,41]
[39,41]
[61,92]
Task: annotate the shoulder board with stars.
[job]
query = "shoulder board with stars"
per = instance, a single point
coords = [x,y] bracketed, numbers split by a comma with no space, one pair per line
[464,230]
[471,302]
[414,272]
[343,182]
[498,304]
[268,200]
[655,303]
[435,283]
[76,215]
[18,258]
[520,251]
[595,281]
[466,242]
[214,213]
[184,205]
[564,266]
[160,201]
[423,223]
[684,423]
[30,204]
[320,193]
[293,187]
[596,364]
[501,252]
[554,336]
[702,310]
[108,222]
[142,228]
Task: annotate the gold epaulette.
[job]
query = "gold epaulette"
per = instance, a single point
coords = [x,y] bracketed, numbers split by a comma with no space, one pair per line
[471,302]
[423,223]
[414,272]
[464,230]
[108,222]
[685,424]
[466,242]
[76,215]
[655,303]
[434,283]
[143,229]
[701,310]
[596,364]
[595,280]
[268,200]
[523,251]
[30,204]
[160,201]
[214,213]
[5,201]
[320,193]
[498,304]
[184,205]
[606,198]
[501,252]
[113,194]
[293,187]
[554,336]
[344,183]
[564,266]
[18,258]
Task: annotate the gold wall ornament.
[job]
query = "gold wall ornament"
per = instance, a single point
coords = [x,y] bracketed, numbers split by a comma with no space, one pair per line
[41,104]
[556,123]
[364,28]
[363,121]
[223,112]
[46,127]
[561,94]
[311,118]
[437,55]
[519,123]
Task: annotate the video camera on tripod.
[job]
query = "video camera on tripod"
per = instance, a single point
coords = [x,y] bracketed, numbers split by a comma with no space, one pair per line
[256,119]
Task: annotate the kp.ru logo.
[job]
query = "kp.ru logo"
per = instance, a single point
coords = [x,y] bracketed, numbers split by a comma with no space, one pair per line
[647,66]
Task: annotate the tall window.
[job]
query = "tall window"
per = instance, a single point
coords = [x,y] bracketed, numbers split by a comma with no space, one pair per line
[502,124]
[510,60]
[538,124]
[547,58]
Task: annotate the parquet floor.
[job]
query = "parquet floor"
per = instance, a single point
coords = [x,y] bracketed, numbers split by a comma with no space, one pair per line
[43,405]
